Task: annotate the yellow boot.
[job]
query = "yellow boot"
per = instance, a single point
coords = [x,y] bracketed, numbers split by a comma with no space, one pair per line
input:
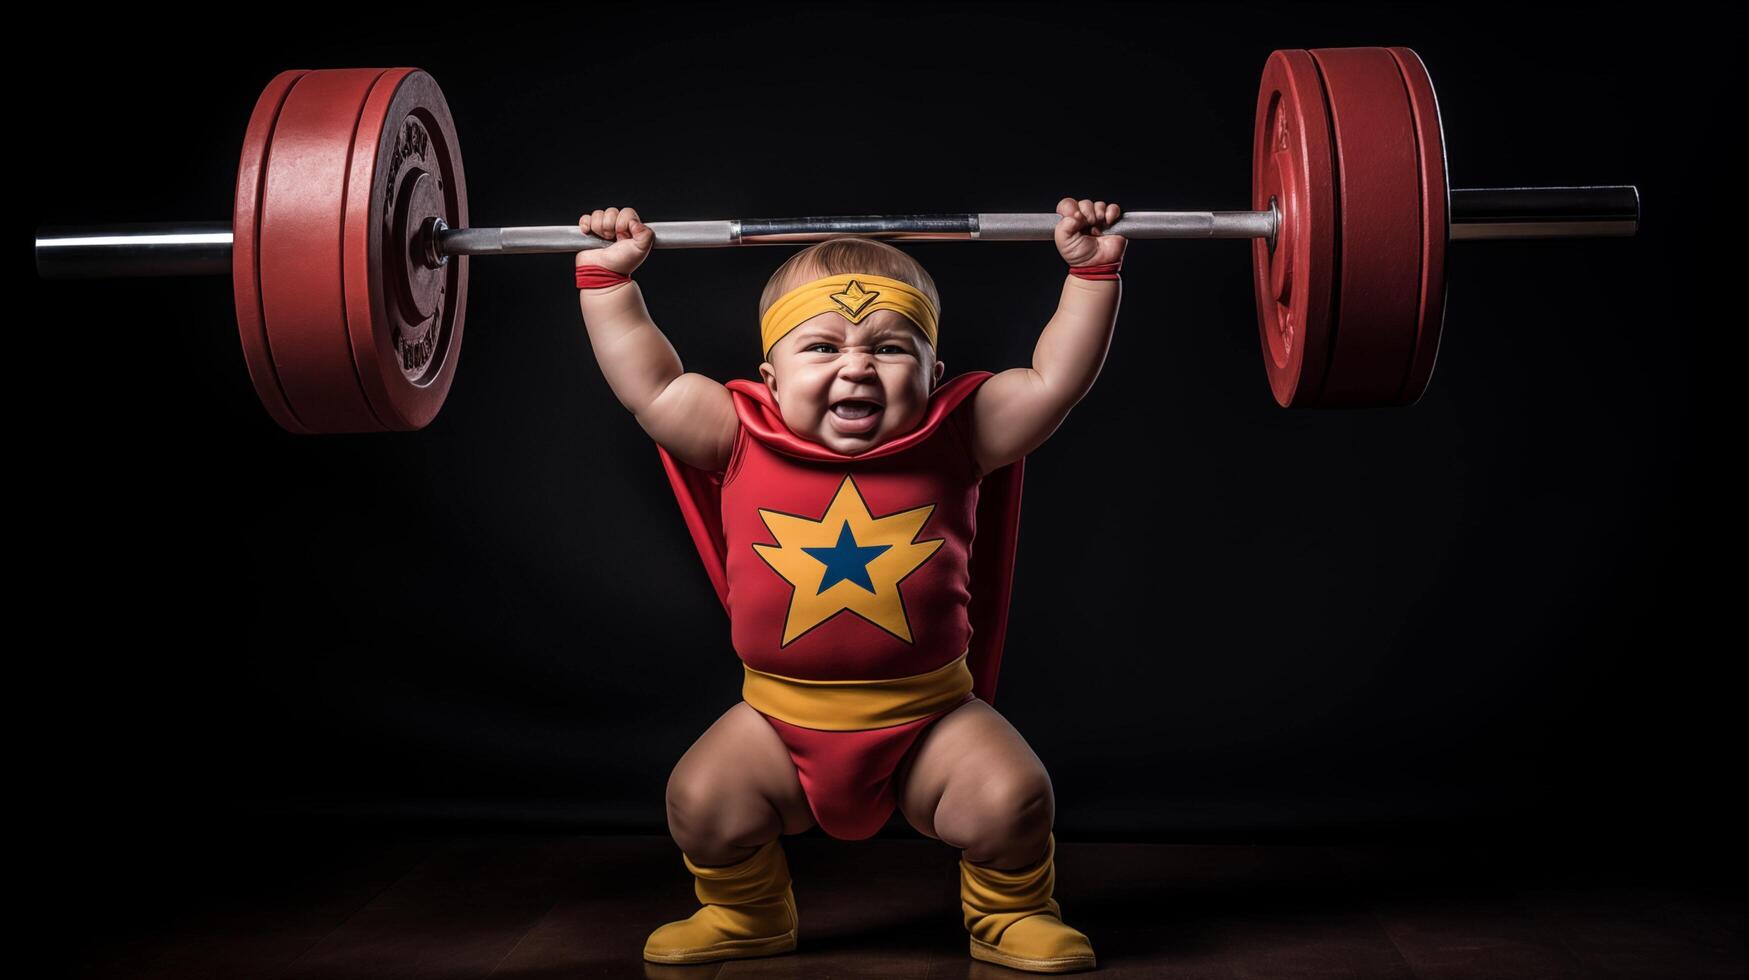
[1014,920]
[749,910]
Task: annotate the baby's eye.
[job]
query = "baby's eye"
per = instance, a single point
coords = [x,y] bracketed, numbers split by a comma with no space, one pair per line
[829,348]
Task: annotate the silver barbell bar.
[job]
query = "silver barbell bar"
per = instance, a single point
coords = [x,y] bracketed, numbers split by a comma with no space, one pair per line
[204,248]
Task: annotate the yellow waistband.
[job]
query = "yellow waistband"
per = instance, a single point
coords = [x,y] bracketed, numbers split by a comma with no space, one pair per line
[847,706]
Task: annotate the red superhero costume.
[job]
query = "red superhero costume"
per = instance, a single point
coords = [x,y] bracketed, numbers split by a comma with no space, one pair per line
[858,605]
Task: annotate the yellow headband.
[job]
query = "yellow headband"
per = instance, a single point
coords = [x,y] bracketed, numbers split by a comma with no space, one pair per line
[853,296]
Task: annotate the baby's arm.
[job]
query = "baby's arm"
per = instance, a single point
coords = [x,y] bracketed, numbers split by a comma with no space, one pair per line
[690,415]
[1014,412]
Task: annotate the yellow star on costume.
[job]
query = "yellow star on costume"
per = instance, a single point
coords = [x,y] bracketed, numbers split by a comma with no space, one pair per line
[855,298]
[848,559]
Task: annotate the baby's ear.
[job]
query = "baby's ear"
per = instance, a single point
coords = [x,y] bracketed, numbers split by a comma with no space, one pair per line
[768,374]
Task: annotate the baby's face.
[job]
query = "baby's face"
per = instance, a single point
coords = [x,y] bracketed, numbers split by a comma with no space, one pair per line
[852,386]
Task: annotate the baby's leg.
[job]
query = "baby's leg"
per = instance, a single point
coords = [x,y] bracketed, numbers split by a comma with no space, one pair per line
[973,782]
[734,791]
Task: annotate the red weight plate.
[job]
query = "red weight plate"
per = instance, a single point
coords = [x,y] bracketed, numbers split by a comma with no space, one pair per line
[245,274]
[1435,221]
[1292,162]
[1379,192]
[302,216]
[405,319]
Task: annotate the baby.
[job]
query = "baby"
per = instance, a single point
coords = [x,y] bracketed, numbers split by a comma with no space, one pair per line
[835,502]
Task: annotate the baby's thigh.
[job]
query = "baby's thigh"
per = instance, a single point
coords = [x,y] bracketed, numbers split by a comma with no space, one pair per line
[737,781]
[972,775]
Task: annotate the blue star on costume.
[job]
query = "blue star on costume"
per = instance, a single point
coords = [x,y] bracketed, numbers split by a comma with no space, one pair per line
[846,560]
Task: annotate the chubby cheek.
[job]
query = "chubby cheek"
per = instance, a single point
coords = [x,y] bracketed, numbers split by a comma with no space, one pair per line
[805,404]
[907,397]
[804,415]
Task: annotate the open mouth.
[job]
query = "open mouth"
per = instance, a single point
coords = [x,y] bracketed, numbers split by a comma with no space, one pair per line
[855,408]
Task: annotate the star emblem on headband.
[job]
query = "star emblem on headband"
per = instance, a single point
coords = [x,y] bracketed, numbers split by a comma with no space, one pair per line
[855,299]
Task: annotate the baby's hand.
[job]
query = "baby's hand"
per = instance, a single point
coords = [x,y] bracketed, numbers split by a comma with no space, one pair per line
[1080,238]
[631,240]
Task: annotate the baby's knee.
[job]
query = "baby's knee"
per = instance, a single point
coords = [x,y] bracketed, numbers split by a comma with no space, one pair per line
[1017,809]
[690,800]
[709,814]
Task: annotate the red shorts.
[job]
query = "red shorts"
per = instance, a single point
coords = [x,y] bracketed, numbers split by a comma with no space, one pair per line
[848,776]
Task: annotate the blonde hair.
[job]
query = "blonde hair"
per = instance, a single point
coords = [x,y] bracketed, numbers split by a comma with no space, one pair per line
[835,256]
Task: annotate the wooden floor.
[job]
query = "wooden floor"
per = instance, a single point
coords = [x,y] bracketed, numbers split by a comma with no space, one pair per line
[527,906]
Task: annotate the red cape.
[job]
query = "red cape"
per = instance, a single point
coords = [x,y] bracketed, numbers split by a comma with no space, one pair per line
[991,564]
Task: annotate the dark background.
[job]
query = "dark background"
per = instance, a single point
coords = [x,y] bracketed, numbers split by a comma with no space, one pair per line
[1506,612]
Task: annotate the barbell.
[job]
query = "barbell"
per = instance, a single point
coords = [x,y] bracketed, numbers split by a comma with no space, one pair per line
[348,242]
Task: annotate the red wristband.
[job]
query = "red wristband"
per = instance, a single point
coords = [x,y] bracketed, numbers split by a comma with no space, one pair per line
[1106,271]
[595,277]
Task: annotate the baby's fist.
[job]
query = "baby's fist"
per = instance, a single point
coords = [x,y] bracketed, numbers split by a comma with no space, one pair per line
[1080,235]
[631,238]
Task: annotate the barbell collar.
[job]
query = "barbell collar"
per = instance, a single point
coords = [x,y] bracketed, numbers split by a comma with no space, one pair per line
[204,248]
